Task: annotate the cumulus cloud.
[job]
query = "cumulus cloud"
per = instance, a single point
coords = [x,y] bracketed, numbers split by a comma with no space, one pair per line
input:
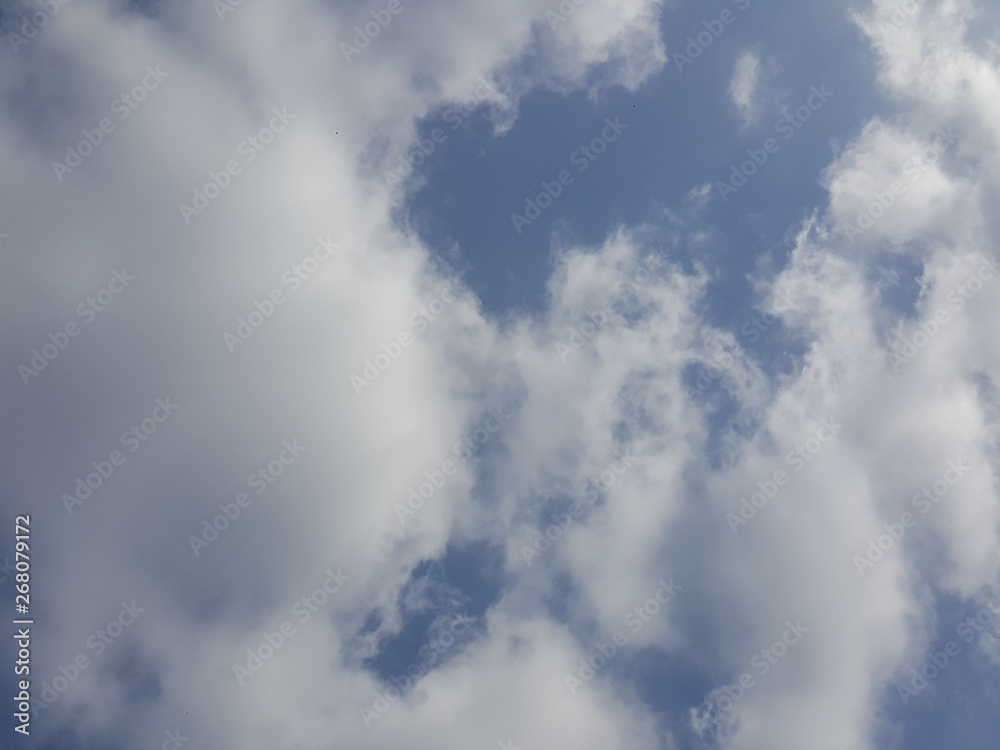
[280,525]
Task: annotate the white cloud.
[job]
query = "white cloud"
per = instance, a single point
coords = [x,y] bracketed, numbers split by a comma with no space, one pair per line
[623,386]
[745,87]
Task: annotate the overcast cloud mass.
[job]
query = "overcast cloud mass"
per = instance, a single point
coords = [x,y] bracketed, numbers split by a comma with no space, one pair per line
[455,374]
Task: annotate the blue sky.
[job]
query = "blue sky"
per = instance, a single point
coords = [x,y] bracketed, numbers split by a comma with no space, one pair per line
[671,147]
[319,451]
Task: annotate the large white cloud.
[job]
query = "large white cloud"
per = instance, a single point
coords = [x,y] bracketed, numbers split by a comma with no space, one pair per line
[610,370]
